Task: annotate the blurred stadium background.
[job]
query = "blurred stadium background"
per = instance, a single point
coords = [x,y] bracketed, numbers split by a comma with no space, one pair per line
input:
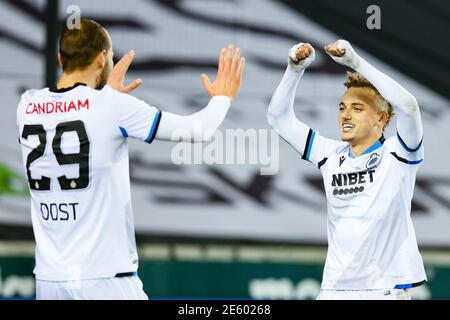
[223,231]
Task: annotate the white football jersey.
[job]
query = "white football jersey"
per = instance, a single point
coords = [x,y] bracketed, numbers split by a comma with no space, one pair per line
[371,239]
[75,154]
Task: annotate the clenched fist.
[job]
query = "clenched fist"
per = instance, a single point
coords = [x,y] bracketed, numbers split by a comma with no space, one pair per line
[342,52]
[301,56]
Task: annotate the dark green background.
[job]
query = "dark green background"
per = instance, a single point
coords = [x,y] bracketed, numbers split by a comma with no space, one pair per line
[197,279]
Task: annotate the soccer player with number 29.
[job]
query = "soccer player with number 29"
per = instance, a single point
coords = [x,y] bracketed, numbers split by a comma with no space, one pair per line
[75,154]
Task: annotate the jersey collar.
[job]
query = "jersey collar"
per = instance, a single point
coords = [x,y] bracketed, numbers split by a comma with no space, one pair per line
[372,148]
[55,90]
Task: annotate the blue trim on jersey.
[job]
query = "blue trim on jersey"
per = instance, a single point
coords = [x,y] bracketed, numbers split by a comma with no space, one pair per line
[415,161]
[406,147]
[350,154]
[124,132]
[406,160]
[310,145]
[153,129]
[372,148]
[404,286]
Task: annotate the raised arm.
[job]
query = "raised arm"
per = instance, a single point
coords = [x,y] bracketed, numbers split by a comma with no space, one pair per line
[409,124]
[280,115]
[201,125]
[196,127]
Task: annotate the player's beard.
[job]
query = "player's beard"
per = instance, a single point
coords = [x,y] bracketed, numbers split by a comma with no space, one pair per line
[103,78]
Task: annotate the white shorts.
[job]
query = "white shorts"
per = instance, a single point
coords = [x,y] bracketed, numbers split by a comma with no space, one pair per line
[123,288]
[385,294]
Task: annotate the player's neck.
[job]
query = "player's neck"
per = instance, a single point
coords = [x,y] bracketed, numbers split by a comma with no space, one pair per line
[69,80]
[358,148]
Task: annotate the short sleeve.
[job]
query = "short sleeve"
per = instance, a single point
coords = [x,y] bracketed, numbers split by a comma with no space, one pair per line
[318,149]
[135,118]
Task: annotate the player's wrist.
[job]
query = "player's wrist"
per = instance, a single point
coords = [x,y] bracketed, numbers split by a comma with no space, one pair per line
[295,67]
[359,65]
[221,98]
[293,74]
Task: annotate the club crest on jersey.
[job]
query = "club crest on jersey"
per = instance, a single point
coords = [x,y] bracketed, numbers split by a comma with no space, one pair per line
[373,161]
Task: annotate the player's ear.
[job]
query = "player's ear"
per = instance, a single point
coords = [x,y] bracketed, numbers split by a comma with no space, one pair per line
[60,60]
[101,59]
[383,118]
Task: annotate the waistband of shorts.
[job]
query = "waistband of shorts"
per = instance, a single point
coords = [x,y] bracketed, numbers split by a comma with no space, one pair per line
[399,286]
[410,285]
[118,275]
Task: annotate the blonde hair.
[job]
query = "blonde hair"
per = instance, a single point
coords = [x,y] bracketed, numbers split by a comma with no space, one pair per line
[356,80]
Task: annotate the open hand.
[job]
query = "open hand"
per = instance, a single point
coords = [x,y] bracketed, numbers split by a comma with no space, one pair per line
[117,75]
[229,74]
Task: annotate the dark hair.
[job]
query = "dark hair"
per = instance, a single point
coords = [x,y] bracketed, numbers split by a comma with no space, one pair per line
[79,46]
[356,80]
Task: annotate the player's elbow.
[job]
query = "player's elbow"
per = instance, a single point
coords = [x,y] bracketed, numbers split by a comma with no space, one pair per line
[205,136]
[272,115]
[280,124]
[411,105]
[270,119]
[273,119]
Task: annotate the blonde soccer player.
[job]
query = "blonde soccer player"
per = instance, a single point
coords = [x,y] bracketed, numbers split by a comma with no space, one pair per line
[369,180]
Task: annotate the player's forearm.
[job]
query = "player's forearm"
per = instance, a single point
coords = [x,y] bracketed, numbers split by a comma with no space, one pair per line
[196,127]
[281,107]
[281,116]
[393,92]
[409,124]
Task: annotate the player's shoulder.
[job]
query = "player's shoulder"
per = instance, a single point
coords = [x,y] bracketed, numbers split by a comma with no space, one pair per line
[333,145]
[342,146]
[30,96]
[34,93]
[390,142]
[338,147]
[395,146]
[119,97]
[396,142]
[110,91]
[330,148]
